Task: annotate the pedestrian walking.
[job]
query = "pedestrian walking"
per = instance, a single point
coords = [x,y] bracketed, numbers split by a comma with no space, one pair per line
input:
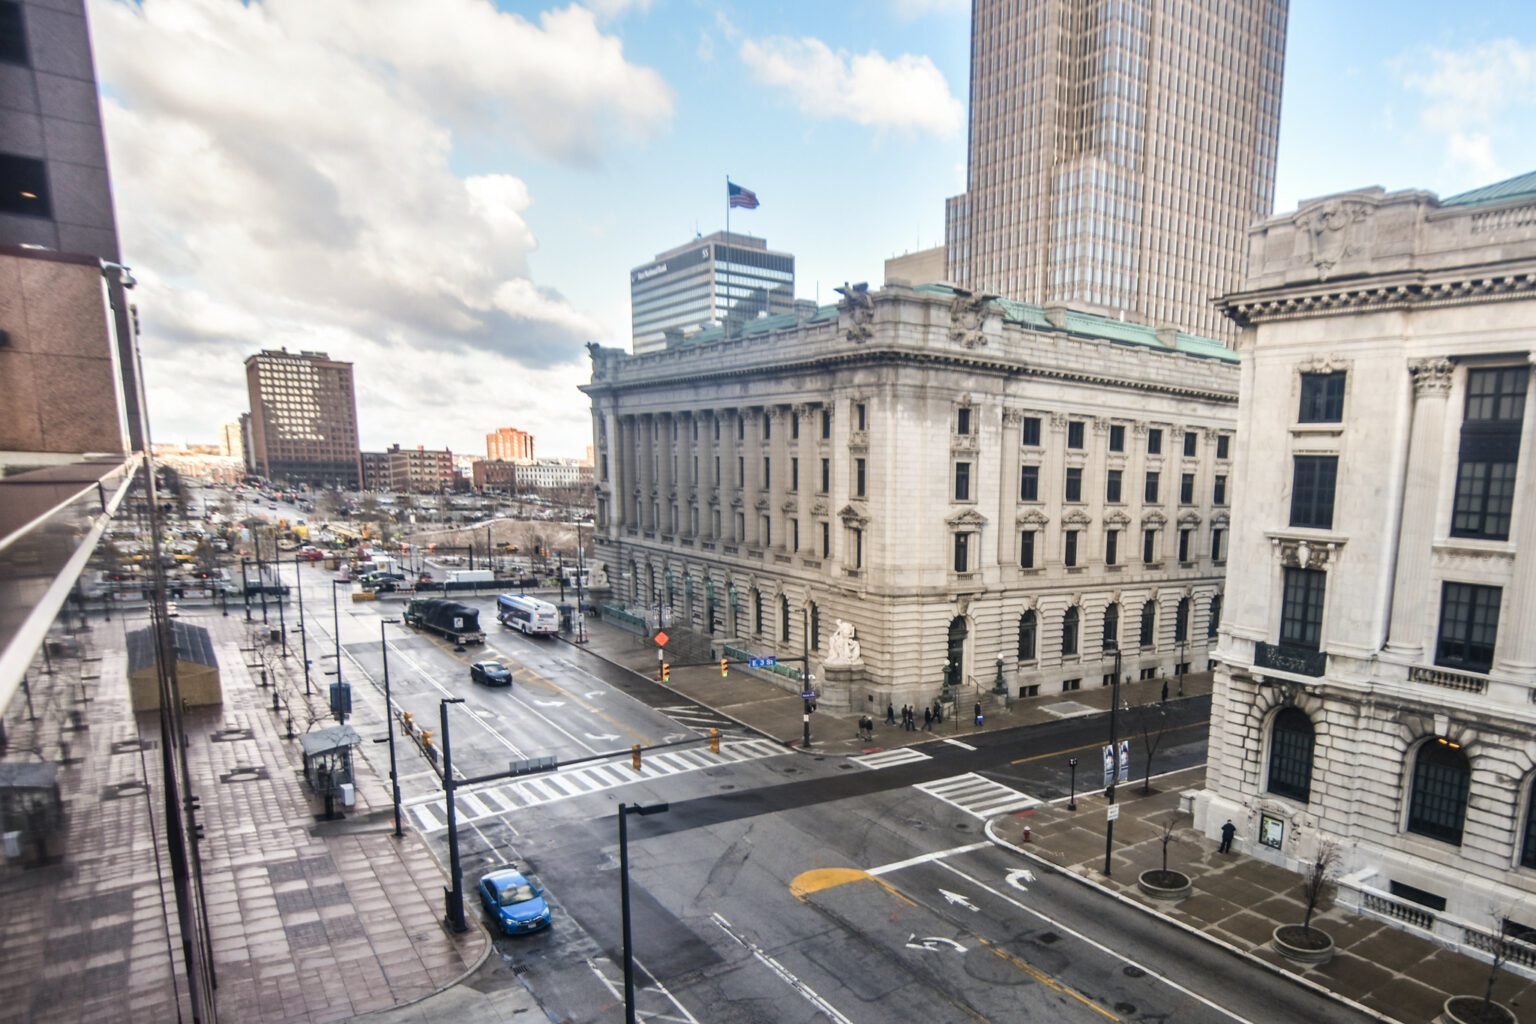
[1227,832]
[1165,689]
[938,711]
[927,719]
[978,714]
[890,713]
[911,719]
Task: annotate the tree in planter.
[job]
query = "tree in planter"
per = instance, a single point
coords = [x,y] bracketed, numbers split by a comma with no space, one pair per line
[1318,881]
[1482,1009]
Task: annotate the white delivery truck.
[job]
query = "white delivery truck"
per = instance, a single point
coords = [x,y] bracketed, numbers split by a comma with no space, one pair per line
[471,576]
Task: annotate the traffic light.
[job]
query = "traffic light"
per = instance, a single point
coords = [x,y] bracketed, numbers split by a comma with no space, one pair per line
[634,757]
[666,672]
[725,668]
[714,741]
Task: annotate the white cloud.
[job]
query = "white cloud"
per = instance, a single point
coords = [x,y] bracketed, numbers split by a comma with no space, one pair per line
[911,9]
[1471,95]
[609,9]
[284,175]
[906,92]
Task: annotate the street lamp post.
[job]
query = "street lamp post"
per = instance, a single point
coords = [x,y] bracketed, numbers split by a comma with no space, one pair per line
[389,720]
[245,587]
[1072,793]
[625,810]
[1182,644]
[261,579]
[336,636]
[1114,754]
[453,915]
[581,613]
[1000,687]
[298,586]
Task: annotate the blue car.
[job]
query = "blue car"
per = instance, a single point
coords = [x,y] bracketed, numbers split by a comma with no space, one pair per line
[514,903]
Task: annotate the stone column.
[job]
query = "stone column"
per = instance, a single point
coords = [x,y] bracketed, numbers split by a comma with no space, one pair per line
[645,455]
[805,451]
[631,482]
[778,449]
[1421,493]
[666,451]
[711,493]
[1008,489]
[1519,639]
[687,479]
[730,451]
[1053,487]
[752,478]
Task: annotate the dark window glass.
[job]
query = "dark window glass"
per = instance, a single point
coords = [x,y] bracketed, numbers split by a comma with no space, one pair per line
[1075,434]
[1027,549]
[1322,398]
[1439,802]
[783,618]
[766,420]
[962,552]
[815,627]
[1528,846]
[1312,486]
[1111,547]
[1469,625]
[1155,441]
[858,477]
[826,476]
[1217,536]
[1190,440]
[1184,545]
[1117,438]
[1219,491]
[1489,453]
[1069,554]
[826,540]
[1187,489]
[963,421]
[1149,491]
[1301,614]
[1112,486]
[13,33]
[757,613]
[767,472]
[858,548]
[1149,546]
[1027,636]
[826,424]
[1290,755]
[1213,627]
[741,428]
[1223,442]
[1069,632]
[24,186]
[794,425]
[962,481]
[1111,626]
[1029,483]
[794,473]
[1031,431]
[1181,621]
[1074,483]
[861,416]
[1148,621]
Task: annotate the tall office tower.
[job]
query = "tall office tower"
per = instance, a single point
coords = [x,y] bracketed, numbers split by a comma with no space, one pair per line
[303,419]
[508,444]
[1119,151]
[719,278]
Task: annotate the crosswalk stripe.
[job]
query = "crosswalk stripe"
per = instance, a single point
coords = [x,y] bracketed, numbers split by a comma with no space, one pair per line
[428,819]
[472,806]
[890,758]
[493,799]
[538,790]
[976,795]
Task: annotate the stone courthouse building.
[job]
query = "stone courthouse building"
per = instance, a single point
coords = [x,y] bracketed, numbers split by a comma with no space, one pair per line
[1376,679]
[985,490]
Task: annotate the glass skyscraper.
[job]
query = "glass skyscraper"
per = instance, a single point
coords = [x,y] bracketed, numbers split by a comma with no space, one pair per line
[714,279]
[1119,151]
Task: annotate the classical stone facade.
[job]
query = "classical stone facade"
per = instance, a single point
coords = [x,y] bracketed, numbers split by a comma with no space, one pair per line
[1377,666]
[934,468]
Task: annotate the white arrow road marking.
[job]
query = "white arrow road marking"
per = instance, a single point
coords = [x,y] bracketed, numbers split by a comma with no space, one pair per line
[933,943]
[593,694]
[550,703]
[604,736]
[1018,876]
[954,897]
[777,968]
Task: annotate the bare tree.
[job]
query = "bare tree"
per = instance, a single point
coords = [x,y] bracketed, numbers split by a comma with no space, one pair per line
[1319,878]
[1152,723]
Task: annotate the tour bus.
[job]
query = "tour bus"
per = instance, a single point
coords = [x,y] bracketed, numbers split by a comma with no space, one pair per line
[528,614]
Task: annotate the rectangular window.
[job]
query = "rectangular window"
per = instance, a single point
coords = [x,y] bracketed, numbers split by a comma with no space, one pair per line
[766,525]
[1117,438]
[741,428]
[860,416]
[794,535]
[1069,549]
[1154,441]
[858,548]
[1149,491]
[1184,544]
[1111,547]
[1301,614]
[962,481]
[858,478]
[767,472]
[1322,398]
[741,471]
[962,552]
[1312,486]
[1031,432]
[826,540]
[1149,546]
[1469,624]
[766,421]
[1187,488]
[24,186]
[1219,491]
[1074,483]
[794,426]
[1489,454]
[1029,483]
[1112,486]
[13,35]
[826,476]
[1075,434]
[794,473]
[826,424]
[963,420]
[1190,440]
[1027,549]
[741,527]
[1217,536]
[1223,445]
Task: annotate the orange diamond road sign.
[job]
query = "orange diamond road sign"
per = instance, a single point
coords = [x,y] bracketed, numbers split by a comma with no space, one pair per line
[661,638]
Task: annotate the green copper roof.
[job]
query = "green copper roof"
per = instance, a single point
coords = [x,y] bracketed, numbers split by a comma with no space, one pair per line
[1521,186]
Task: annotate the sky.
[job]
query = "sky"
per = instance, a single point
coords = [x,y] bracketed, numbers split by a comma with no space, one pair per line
[450,193]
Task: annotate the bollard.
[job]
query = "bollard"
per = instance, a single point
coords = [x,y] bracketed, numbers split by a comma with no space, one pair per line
[290,727]
[275,705]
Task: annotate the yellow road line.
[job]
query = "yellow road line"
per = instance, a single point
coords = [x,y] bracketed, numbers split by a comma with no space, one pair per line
[1096,746]
[1046,980]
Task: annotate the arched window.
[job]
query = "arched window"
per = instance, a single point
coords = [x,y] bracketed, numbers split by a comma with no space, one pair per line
[1148,619]
[1528,847]
[1111,626]
[1027,636]
[1181,621]
[1214,626]
[1290,755]
[954,652]
[1069,632]
[1438,805]
[784,618]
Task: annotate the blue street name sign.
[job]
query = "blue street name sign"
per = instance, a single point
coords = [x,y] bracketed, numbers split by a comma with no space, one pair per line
[768,662]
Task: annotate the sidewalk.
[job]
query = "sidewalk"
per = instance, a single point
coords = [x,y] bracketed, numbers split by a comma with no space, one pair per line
[1239,900]
[774,709]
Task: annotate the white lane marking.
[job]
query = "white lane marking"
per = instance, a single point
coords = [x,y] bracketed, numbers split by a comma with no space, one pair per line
[977,796]
[614,993]
[604,736]
[955,897]
[933,943]
[925,858]
[1096,945]
[424,675]
[594,694]
[425,814]
[473,805]
[961,744]
[890,758]
[795,983]
[1018,876]
[549,703]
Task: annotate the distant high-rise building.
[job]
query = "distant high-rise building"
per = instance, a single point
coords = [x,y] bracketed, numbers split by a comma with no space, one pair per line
[303,418]
[1119,150]
[718,278]
[231,443]
[508,444]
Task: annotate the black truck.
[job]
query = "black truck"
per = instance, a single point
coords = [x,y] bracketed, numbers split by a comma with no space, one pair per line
[459,623]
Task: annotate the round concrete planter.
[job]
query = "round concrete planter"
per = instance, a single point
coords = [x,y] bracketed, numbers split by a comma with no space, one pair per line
[1165,885]
[1470,1010]
[1296,944]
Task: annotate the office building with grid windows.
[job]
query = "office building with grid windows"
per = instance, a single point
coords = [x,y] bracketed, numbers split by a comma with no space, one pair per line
[1119,150]
[717,279]
[1375,683]
[303,419]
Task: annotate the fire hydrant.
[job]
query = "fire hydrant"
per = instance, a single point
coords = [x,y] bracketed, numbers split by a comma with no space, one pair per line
[1029,835]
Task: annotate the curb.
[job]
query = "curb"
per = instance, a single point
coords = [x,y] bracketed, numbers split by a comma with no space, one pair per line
[1057,869]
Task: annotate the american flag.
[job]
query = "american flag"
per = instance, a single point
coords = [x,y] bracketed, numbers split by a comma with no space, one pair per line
[737,196]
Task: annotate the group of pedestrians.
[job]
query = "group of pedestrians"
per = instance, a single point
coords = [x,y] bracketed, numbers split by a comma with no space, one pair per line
[931,717]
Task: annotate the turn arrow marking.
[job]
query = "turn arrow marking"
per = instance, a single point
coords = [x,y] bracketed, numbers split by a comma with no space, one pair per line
[604,736]
[550,703]
[933,943]
[1018,876]
[591,694]
[954,897]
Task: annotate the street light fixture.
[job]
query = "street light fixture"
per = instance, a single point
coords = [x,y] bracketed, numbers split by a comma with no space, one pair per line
[389,721]
[298,587]
[453,915]
[336,636]
[625,810]
[1072,793]
[1000,687]
[1114,762]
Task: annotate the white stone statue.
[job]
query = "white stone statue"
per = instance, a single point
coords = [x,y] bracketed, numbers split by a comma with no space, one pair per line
[842,648]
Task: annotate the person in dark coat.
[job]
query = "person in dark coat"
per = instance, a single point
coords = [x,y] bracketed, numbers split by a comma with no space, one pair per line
[1228,831]
[890,713]
[927,719]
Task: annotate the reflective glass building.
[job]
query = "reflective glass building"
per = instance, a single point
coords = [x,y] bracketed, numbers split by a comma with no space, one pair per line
[718,278]
[1119,150]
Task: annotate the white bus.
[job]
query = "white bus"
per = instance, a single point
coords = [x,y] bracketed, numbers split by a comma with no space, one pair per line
[528,614]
